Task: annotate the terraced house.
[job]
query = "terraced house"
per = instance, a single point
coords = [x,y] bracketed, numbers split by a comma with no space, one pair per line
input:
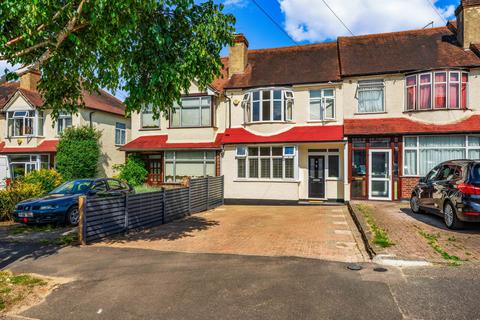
[362,117]
[29,137]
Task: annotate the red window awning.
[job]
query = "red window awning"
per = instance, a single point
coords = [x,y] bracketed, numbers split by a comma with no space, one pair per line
[46,146]
[160,142]
[390,126]
[295,134]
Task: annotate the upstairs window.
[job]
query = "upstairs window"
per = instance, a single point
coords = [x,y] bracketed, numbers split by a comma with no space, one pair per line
[147,119]
[24,123]
[120,133]
[322,104]
[64,121]
[268,105]
[436,90]
[371,96]
[194,112]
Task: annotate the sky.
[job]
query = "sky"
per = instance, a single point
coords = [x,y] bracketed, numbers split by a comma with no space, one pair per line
[310,21]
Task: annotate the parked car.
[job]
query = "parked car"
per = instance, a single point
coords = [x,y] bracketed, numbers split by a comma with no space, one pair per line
[61,204]
[451,190]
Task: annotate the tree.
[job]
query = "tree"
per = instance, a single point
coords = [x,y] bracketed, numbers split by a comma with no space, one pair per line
[78,153]
[133,171]
[152,49]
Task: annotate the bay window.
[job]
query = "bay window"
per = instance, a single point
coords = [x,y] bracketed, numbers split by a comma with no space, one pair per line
[180,164]
[24,123]
[436,90]
[371,96]
[322,105]
[20,165]
[267,105]
[194,112]
[266,162]
[422,153]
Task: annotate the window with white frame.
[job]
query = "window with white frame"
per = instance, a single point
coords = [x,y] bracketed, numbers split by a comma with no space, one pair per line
[180,164]
[148,120]
[422,153]
[371,96]
[444,89]
[266,162]
[24,123]
[120,133]
[322,104]
[20,165]
[64,121]
[194,112]
[268,105]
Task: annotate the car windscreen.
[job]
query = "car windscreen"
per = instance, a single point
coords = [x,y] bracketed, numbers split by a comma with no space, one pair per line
[73,187]
[475,174]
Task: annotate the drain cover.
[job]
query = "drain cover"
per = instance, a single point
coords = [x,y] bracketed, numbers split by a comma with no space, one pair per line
[354,267]
[380,269]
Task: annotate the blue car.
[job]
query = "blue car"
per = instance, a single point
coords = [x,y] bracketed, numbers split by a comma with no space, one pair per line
[61,204]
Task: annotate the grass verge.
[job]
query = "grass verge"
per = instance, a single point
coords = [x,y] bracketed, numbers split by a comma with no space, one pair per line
[432,240]
[29,229]
[15,289]
[380,236]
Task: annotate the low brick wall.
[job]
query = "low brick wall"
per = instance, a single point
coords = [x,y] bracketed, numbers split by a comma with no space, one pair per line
[408,183]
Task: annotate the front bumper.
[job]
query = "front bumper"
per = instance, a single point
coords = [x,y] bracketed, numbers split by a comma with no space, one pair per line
[39,216]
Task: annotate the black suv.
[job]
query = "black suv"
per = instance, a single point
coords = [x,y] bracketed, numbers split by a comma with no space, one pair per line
[451,190]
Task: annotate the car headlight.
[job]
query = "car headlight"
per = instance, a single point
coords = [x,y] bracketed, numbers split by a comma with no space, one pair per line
[49,207]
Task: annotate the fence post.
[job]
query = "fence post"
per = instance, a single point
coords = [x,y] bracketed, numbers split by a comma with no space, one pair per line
[208,193]
[125,203]
[82,223]
[163,205]
[189,198]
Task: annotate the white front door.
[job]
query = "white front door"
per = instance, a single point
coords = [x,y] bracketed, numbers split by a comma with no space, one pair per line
[380,174]
[4,171]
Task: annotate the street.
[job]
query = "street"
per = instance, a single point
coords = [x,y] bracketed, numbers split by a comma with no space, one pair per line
[125,283]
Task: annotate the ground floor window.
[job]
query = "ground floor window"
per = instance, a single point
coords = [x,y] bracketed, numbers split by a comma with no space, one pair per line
[422,153]
[180,164]
[266,162]
[20,165]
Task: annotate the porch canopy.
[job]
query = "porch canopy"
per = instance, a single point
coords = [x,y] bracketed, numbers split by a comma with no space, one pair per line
[46,146]
[394,126]
[160,142]
[295,134]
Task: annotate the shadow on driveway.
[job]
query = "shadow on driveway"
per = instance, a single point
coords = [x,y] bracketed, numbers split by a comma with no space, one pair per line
[11,252]
[171,231]
[436,221]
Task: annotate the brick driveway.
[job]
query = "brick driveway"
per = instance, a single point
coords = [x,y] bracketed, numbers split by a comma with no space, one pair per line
[404,227]
[323,232]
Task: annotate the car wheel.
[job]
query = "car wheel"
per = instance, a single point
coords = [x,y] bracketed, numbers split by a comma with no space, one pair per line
[450,217]
[73,216]
[415,204]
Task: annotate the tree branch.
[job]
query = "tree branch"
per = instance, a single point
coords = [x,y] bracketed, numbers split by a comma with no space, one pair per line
[27,50]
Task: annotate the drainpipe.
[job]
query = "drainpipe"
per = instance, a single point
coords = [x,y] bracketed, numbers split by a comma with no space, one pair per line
[229,110]
[90,118]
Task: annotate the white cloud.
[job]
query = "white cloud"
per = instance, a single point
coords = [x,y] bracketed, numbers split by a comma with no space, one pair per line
[311,20]
[237,3]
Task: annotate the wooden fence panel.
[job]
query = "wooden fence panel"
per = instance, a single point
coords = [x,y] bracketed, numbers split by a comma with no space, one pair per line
[102,217]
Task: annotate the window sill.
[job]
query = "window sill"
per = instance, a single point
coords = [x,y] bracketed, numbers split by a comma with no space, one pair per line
[433,110]
[149,129]
[202,127]
[322,121]
[362,113]
[269,122]
[119,145]
[266,180]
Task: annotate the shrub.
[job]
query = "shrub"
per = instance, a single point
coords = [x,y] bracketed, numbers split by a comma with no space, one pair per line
[133,171]
[47,179]
[78,153]
[18,192]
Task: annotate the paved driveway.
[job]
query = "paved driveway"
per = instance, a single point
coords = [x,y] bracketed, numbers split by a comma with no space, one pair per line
[323,232]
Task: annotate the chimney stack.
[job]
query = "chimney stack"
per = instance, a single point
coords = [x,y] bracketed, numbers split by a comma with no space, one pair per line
[238,55]
[29,80]
[468,23]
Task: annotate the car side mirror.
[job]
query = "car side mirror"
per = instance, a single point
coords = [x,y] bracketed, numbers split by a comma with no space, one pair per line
[422,180]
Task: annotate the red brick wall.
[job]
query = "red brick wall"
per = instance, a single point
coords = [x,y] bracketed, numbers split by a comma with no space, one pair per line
[407,185]
[217,163]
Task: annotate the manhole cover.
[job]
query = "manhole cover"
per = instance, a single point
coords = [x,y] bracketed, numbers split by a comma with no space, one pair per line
[380,269]
[354,267]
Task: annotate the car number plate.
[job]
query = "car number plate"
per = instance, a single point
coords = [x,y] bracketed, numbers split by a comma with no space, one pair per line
[25,214]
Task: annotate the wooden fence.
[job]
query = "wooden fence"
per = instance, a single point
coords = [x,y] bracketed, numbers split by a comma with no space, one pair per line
[104,217]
